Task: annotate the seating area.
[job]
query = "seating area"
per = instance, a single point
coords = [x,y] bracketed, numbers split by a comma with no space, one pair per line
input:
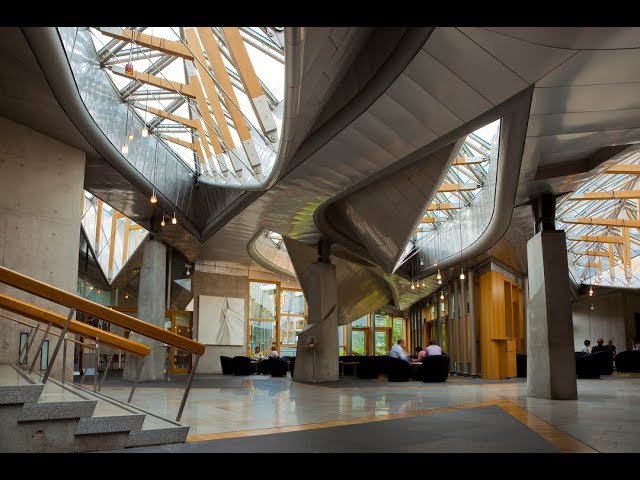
[432,369]
[245,366]
[628,361]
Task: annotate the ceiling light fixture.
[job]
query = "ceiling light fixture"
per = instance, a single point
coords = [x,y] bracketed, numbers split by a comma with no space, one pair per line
[153,198]
[174,220]
[441,295]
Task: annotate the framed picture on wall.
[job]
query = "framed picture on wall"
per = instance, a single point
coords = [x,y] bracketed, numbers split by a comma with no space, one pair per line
[221,320]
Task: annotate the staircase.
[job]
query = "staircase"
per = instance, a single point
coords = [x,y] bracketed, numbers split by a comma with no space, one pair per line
[64,417]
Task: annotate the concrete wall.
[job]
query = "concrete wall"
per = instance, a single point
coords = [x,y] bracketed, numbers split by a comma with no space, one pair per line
[223,279]
[41,182]
[612,317]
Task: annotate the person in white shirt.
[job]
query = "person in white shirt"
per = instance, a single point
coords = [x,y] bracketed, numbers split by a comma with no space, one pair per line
[273,353]
[433,348]
[587,346]
[397,351]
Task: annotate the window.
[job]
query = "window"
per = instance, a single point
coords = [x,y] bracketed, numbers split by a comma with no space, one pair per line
[276,316]
[292,319]
[360,331]
[342,340]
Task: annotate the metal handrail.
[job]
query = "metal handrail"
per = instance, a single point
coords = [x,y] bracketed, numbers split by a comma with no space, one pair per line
[93,309]
[87,345]
[44,290]
[43,315]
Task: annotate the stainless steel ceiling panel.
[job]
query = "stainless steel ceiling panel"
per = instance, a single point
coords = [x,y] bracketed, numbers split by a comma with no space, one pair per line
[561,123]
[585,98]
[529,61]
[446,87]
[595,67]
[474,65]
[423,106]
[600,38]
[402,121]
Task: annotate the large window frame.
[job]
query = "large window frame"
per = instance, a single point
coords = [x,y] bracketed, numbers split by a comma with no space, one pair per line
[279,317]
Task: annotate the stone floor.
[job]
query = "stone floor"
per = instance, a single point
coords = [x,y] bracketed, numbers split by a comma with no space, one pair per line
[605,417]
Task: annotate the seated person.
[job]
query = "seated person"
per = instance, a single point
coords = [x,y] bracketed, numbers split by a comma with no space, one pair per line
[397,351]
[587,348]
[600,347]
[611,346]
[274,352]
[257,353]
[433,348]
[421,354]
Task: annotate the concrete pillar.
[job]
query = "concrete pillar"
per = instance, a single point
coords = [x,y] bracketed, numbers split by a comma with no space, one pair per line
[41,188]
[151,307]
[551,367]
[463,328]
[322,325]
[472,323]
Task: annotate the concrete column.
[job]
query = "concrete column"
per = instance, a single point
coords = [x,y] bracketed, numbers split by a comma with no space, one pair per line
[472,323]
[41,188]
[463,328]
[151,308]
[322,324]
[551,367]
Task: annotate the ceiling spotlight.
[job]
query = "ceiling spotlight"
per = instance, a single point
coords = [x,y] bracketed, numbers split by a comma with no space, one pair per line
[98,290]
[144,133]
[90,287]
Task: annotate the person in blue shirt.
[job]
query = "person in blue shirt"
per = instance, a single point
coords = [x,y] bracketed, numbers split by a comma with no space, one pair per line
[397,351]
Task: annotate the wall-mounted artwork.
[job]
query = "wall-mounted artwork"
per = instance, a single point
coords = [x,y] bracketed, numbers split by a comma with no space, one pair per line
[221,320]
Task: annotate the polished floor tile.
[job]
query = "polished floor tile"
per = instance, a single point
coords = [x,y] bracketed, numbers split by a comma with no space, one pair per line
[605,417]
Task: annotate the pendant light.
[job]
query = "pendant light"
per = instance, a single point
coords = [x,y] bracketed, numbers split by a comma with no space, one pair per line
[153,198]
[174,220]
[126,295]
[590,291]
[163,223]
[128,68]
[441,295]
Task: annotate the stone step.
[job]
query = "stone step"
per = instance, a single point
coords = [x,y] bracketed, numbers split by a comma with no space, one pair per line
[17,387]
[154,430]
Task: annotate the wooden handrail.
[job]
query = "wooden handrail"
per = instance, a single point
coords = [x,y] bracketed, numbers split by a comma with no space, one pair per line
[43,315]
[87,345]
[93,309]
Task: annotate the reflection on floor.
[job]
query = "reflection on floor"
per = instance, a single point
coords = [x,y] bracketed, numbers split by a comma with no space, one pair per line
[479,429]
[604,418]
